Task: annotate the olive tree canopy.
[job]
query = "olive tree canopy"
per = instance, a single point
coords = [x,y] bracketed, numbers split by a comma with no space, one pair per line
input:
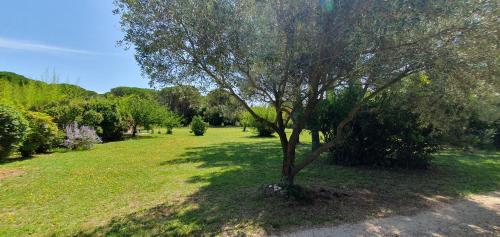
[288,53]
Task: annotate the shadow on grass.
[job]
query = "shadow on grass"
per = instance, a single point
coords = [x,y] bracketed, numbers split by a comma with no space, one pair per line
[229,200]
[14,159]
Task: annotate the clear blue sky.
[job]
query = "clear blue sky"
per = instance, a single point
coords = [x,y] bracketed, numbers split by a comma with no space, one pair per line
[76,38]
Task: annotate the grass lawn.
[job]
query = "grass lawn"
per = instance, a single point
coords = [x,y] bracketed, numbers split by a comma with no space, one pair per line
[185,185]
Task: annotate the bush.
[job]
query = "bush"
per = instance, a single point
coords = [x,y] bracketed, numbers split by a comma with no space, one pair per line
[393,138]
[198,126]
[111,126]
[42,135]
[262,129]
[13,128]
[101,114]
[80,138]
[384,133]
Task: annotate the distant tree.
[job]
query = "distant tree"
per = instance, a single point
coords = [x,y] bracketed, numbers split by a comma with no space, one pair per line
[221,108]
[168,119]
[261,128]
[143,112]
[124,91]
[35,95]
[290,53]
[182,100]
[245,119]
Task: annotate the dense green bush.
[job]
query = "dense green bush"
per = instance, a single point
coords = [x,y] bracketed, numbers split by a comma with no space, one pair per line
[384,133]
[393,138]
[13,128]
[220,108]
[198,126]
[111,126]
[42,134]
[101,114]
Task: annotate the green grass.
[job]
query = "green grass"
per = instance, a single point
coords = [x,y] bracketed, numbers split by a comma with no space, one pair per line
[185,185]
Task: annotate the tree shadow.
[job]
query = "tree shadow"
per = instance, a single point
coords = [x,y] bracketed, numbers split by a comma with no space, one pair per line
[230,202]
[14,159]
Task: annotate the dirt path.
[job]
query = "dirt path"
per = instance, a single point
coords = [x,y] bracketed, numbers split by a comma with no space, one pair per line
[478,215]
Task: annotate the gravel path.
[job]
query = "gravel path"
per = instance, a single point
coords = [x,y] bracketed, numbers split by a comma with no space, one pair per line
[478,215]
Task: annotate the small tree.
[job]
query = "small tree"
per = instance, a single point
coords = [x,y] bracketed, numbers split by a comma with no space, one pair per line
[198,126]
[182,100]
[221,108]
[140,112]
[245,120]
[168,119]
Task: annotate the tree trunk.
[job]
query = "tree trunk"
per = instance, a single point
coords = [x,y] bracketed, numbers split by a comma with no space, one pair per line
[134,130]
[288,177]
[288,150]
[315,139]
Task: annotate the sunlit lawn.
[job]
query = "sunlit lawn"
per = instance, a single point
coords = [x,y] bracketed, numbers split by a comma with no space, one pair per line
[185,185]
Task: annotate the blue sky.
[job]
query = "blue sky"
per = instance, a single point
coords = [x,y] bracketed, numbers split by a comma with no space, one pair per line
[74,38]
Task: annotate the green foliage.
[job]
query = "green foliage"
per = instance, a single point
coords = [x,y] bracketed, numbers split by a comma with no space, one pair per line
[182,100]
[124,91]
[42,135]
[384,133]
[111,126]
[13,128]
[34,95]
[168,120]
[144,112]
[291,52]
[389,138]
[245,119]
[332,110]
[265,112]
[198,126]
[221,108]
[101,114]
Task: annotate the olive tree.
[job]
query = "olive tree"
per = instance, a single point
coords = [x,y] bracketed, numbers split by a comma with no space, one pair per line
[289,53]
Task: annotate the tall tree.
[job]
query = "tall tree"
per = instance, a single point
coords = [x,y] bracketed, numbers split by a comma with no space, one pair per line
[289,53]
[183,100]
[221,108]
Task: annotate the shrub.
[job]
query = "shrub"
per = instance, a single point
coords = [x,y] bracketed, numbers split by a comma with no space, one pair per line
[384,133]
[111,126]
[262,129]
[198,126]
[42,135]
[80,138]
[393,138]
[13,128]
